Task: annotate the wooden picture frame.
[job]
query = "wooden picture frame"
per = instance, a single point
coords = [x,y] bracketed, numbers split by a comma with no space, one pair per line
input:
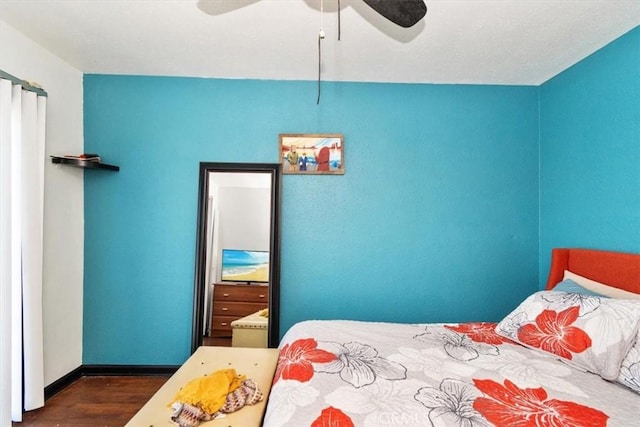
[312,154]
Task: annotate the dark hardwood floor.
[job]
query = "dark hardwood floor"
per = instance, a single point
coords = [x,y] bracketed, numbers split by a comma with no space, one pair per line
[219,342]
[108,401]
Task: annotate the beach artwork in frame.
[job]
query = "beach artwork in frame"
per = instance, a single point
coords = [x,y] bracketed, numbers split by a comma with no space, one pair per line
[309,154]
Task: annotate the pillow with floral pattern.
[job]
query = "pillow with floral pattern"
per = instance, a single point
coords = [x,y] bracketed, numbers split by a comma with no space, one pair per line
[586,331]
[630,369]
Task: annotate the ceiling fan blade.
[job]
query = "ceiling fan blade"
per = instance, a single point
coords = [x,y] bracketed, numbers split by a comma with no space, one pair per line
[405,13]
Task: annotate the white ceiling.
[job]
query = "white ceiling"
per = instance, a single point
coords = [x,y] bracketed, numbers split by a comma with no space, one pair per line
[515,42]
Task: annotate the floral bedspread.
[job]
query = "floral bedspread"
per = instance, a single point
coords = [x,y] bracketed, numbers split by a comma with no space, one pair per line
[348,373]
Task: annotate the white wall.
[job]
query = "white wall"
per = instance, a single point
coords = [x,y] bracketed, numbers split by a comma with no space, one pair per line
[63,201]
[244,219]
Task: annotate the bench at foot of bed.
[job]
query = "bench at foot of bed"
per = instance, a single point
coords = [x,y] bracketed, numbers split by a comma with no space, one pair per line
[258,364]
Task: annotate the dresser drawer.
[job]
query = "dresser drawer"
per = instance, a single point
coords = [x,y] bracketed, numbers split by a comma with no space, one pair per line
[242,293]
[222,325]
[238,309]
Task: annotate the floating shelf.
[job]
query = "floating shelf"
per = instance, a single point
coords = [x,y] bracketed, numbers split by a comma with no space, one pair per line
[86,164]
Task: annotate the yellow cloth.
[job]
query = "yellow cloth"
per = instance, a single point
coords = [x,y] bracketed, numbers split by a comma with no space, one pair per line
[210,392]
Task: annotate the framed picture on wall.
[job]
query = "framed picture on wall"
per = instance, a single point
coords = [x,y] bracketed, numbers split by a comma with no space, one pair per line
[309,154]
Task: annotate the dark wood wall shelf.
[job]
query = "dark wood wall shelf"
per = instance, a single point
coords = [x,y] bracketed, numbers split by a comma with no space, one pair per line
[86,164]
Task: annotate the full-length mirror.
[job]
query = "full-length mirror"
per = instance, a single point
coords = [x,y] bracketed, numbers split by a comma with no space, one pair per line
[237,278]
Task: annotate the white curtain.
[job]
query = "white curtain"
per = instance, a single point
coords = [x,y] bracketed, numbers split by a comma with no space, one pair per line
[22,136]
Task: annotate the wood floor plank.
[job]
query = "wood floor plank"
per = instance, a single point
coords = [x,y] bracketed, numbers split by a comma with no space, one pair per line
[108,401]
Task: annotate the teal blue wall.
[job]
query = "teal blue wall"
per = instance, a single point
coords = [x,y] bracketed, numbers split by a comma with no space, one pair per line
[435,219]
[590,153]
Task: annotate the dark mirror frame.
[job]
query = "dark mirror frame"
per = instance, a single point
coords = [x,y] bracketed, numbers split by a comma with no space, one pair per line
[206,168]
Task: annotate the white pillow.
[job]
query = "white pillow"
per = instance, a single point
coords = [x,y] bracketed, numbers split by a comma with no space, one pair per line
[589,332]
[630,368]
[600,288]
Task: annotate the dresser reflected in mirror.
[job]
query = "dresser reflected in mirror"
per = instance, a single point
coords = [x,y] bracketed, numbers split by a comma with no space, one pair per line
[237,279]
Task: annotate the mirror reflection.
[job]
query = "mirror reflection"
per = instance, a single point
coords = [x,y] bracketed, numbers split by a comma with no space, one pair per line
[237,272]
[237,257]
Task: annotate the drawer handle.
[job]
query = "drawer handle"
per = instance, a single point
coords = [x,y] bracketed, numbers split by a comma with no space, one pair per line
[261,296]
[224,323]
[224,309]
[225,295]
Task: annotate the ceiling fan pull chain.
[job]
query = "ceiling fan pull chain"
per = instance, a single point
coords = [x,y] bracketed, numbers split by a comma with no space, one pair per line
[319,64]
[321,19]
[339,28]
[320,37]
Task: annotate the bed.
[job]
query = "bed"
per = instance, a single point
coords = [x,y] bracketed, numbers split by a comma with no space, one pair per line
[566,356]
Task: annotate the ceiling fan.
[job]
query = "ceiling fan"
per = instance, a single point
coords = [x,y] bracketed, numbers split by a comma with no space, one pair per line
[405,13]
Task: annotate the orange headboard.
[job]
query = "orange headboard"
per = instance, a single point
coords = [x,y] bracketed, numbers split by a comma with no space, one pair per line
[618,269]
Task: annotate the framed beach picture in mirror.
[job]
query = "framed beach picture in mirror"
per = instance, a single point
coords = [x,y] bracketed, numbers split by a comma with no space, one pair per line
[308,154]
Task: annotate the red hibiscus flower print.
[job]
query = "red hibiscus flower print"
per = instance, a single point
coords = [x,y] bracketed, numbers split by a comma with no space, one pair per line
[509,405]
[295,360]
[332,417]
[480,332]
[553,333]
